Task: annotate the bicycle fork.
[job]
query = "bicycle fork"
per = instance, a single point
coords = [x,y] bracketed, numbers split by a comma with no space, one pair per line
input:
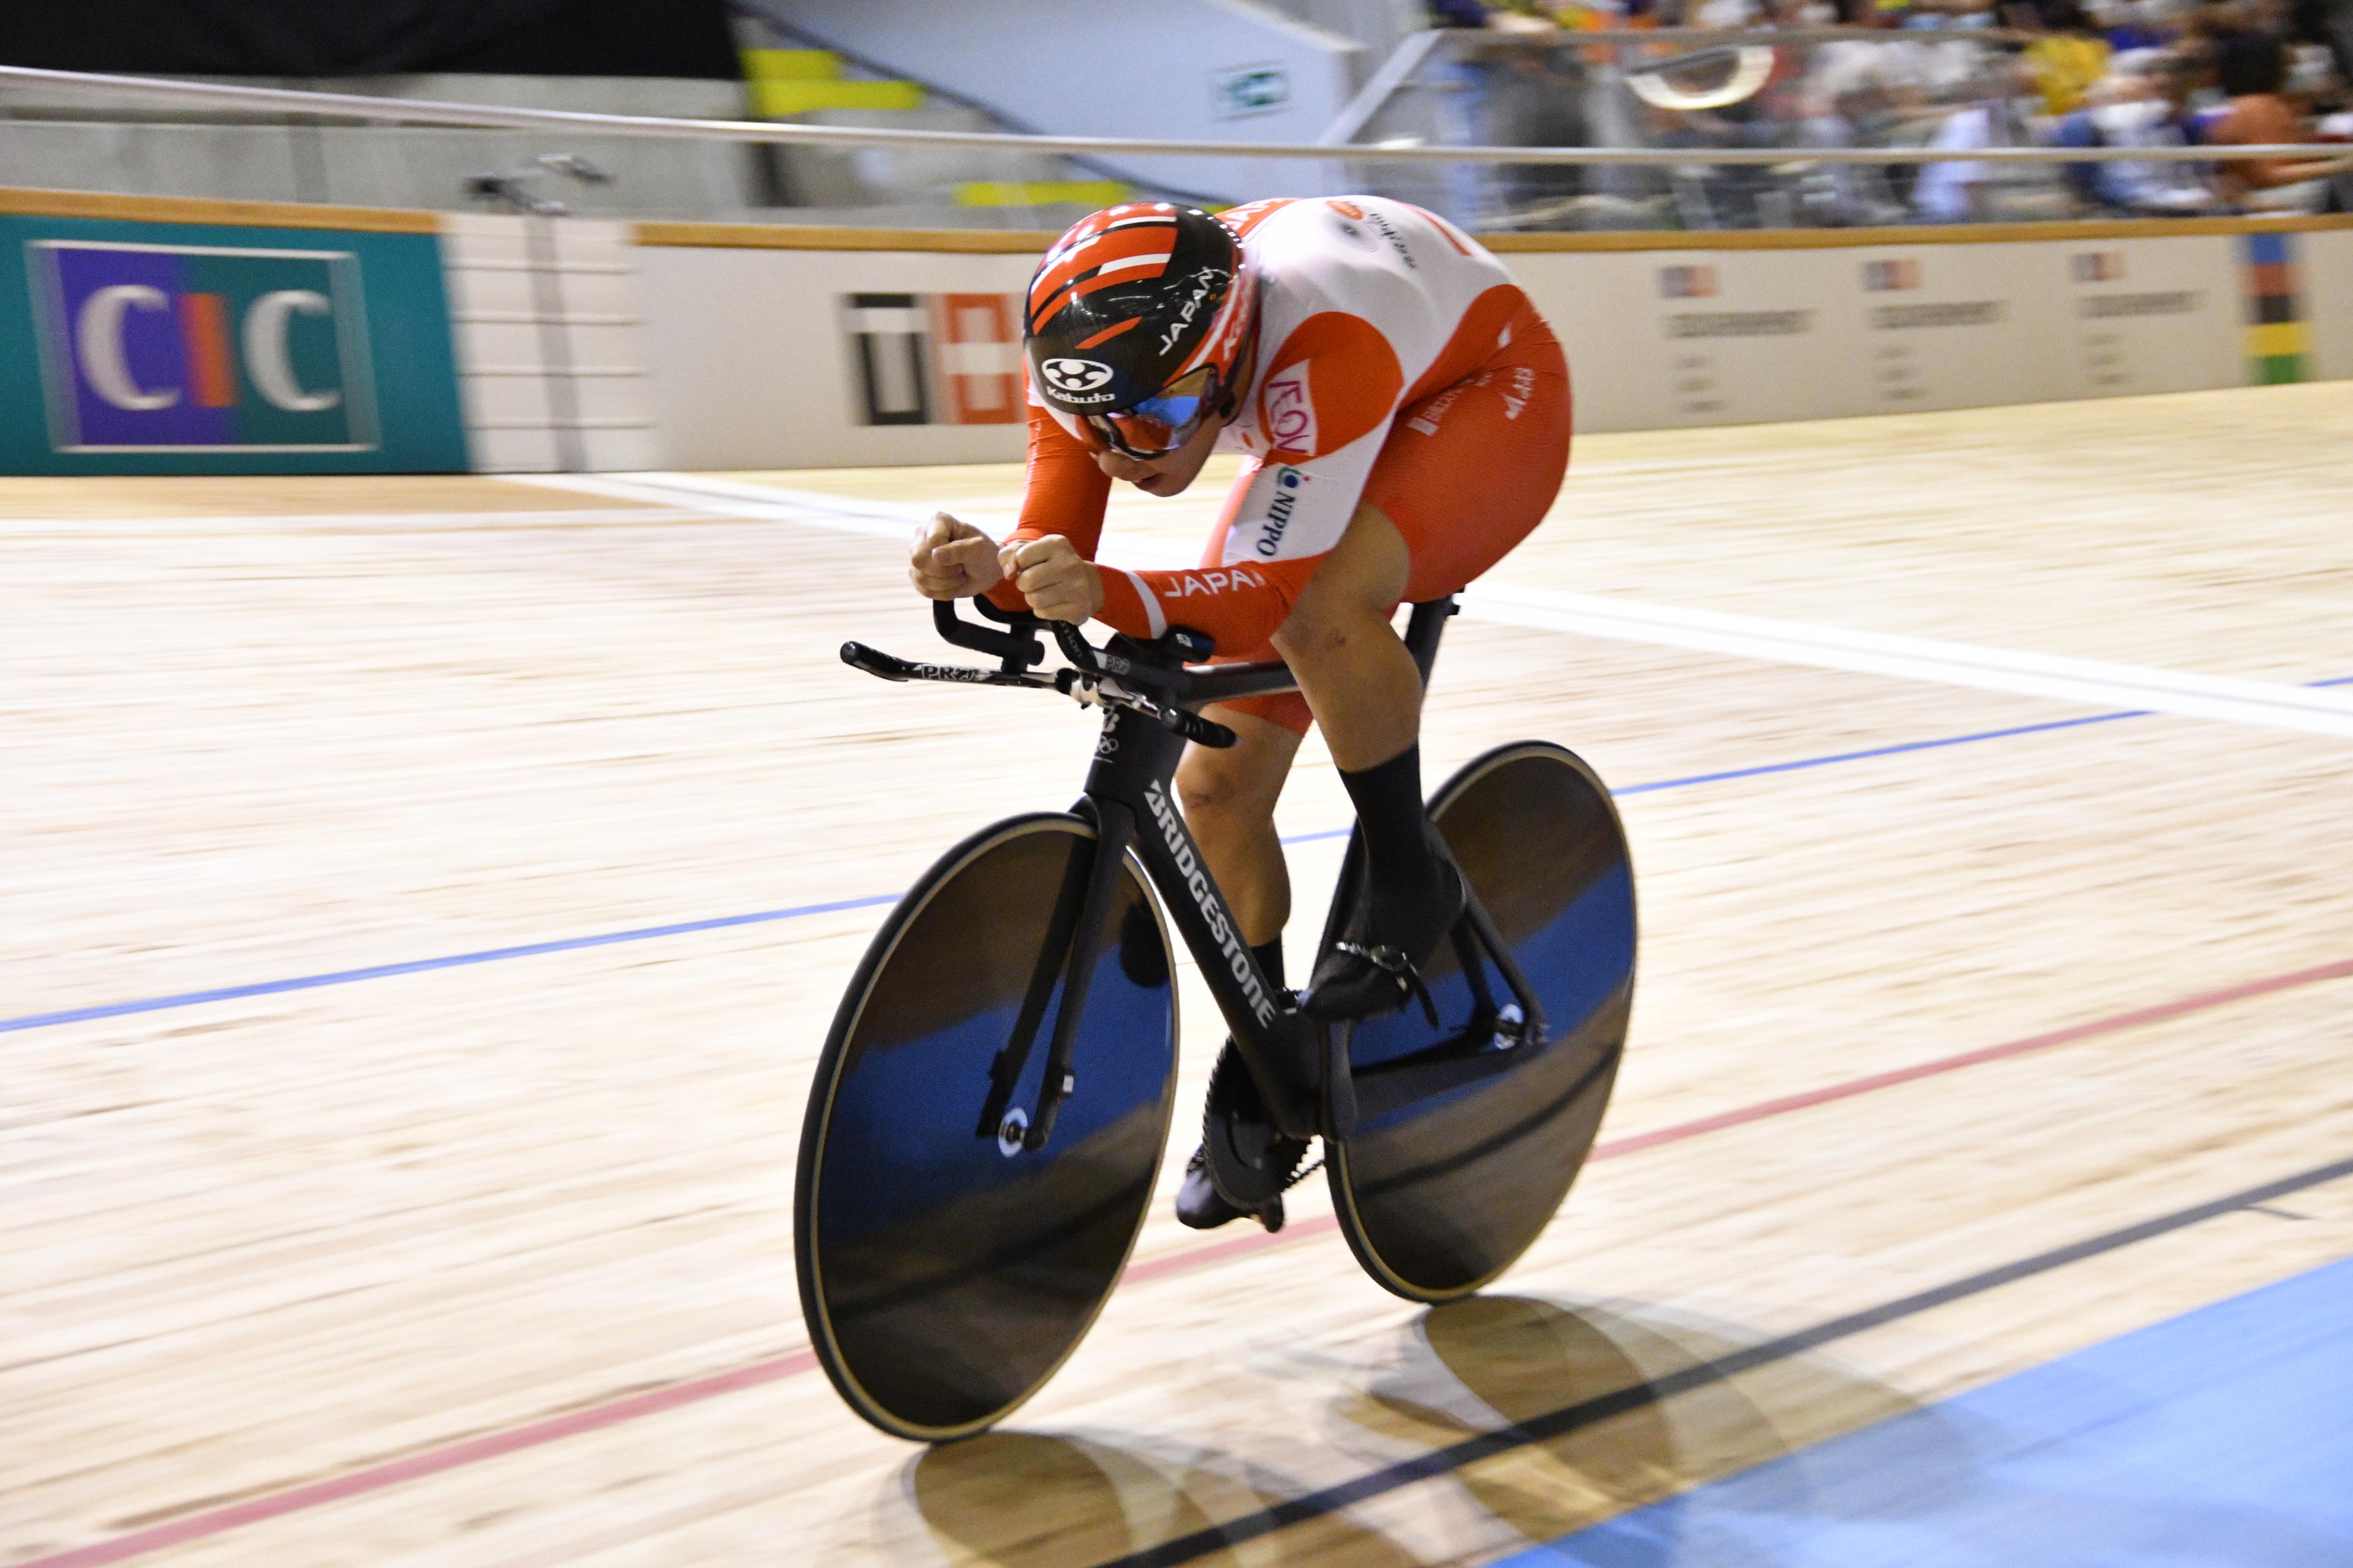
[1127,796]
[1074,940]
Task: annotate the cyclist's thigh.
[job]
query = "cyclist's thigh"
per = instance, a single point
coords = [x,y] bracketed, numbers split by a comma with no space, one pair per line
[1470,470]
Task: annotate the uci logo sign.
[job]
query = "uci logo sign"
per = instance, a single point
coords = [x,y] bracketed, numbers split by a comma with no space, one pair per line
[1076,374]
[184,348]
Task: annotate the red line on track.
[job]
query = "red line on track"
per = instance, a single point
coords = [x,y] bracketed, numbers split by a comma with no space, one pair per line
[426,1462]
[596,1417]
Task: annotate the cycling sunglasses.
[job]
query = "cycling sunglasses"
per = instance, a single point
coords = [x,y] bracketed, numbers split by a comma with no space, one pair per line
[1163,422]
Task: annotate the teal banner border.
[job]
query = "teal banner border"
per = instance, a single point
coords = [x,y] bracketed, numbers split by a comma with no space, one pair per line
[422,429]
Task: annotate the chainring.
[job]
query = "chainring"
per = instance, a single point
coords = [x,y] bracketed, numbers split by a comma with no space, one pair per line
[1251,1163]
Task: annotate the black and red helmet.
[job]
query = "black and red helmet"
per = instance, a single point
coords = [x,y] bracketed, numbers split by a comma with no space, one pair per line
[1138,321]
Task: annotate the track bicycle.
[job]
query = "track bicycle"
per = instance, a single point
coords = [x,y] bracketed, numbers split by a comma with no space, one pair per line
[990,1109]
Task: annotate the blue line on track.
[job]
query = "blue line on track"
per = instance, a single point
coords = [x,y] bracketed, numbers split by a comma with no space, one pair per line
[764,917]
[421,966]
[2217,1438]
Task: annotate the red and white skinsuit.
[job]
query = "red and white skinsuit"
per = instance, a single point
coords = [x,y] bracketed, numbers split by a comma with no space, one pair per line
[1398,367]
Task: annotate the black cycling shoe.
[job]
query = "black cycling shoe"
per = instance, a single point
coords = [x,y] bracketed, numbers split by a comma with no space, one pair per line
[1200,1206]
[1361,979]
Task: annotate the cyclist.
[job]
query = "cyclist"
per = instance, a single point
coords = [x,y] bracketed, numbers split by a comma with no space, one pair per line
[1404,415]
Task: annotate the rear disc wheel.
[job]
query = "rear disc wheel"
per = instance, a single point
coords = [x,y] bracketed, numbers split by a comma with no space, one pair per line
[1470,1135]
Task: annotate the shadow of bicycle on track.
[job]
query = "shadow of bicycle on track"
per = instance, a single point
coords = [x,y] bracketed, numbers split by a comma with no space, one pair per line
[1546,1418]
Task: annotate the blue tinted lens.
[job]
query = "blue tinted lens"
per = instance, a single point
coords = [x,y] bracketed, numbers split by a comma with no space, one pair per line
[1174,409]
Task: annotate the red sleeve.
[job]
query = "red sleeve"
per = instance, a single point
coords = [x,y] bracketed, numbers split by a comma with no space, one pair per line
[1241,607]
[1064,493]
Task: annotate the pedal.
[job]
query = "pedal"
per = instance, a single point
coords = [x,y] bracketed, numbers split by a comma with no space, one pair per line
[1251,1161]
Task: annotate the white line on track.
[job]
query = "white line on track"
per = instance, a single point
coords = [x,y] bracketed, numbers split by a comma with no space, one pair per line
[252,522]
[2094,683]
[733,498]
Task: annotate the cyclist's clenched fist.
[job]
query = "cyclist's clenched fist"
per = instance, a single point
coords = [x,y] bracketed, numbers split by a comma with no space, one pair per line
[951,559]
[1060,584]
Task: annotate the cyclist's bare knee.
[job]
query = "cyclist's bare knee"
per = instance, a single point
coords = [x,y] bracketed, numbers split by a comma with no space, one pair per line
[1239,783]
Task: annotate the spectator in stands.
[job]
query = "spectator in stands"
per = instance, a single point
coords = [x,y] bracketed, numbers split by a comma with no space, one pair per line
[2253,71]
[1962,190]
[1493,14]
[2137,24]
[2144,101]
[2329,23]
[1850,104]
[2068,58]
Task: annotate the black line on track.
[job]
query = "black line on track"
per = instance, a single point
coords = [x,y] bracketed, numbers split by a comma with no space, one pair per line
[1590,1412]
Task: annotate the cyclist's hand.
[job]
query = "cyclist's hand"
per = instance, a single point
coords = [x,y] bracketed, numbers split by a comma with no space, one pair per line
[1060,584]
[953,560]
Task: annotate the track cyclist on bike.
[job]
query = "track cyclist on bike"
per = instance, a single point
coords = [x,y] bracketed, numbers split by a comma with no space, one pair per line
[1405,414]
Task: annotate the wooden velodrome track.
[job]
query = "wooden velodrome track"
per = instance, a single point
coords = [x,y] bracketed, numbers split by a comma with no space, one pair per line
[1948,1057]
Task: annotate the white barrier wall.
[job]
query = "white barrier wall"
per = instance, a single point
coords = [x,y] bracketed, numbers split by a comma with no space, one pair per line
[551,343]
[770,357]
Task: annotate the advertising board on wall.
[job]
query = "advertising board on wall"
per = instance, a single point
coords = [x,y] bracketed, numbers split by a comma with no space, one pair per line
[936,359]
[775,358]
[1664,339]
[179,348]
[918,360]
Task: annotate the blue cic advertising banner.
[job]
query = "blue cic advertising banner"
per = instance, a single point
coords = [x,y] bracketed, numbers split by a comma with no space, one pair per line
[140,348]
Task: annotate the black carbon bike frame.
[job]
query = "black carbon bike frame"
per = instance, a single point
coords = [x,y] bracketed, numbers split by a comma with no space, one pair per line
[1150,700]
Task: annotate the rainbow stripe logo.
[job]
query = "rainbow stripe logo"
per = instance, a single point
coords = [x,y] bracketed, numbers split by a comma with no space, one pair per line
[190,348]
[2278,343]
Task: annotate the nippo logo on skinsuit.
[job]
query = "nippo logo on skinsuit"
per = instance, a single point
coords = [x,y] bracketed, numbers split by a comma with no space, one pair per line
[192,348]
[1346,209]
[1076,374]
[1278,511]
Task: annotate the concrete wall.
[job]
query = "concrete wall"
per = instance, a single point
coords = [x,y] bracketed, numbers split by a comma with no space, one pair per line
[1120,67]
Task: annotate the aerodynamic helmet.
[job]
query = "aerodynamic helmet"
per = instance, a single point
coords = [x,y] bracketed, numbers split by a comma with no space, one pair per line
[1138,322]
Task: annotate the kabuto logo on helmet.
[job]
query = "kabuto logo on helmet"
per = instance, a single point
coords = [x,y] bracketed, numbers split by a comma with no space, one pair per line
[1076,374]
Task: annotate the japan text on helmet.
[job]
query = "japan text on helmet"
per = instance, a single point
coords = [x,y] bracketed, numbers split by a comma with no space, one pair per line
[1138,322]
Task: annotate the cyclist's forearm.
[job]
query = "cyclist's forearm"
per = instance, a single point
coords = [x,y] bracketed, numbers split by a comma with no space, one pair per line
[1241,607]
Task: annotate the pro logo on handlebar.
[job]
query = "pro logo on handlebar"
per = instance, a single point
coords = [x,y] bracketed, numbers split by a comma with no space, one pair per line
[1230,945]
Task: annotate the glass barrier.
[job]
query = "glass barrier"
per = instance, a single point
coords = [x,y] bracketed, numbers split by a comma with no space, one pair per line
[1801,93]
[1666,129]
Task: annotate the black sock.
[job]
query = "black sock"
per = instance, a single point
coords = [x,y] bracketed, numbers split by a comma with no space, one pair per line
[1402,873]
[1268,954]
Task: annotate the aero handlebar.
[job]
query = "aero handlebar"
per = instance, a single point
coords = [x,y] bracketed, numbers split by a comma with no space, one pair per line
[1156,679]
